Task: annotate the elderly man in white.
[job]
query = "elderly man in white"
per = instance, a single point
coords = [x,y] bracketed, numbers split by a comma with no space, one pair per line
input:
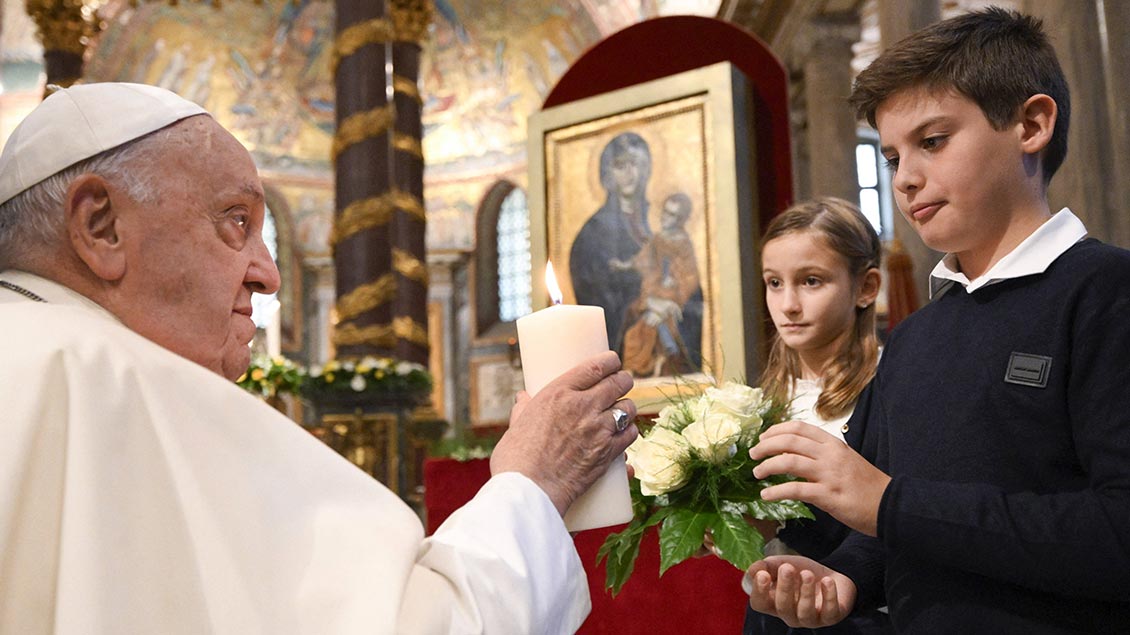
[141,492]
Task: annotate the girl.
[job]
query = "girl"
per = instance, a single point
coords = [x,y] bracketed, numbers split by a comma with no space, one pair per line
[820,266]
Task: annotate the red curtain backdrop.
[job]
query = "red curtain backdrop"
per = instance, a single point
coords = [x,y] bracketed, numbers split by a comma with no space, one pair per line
[701,596]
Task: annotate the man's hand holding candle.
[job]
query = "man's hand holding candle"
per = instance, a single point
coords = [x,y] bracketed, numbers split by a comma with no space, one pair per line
[564,437]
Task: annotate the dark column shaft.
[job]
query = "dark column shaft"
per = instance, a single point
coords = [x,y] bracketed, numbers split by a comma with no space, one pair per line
[62,28]
[378,237]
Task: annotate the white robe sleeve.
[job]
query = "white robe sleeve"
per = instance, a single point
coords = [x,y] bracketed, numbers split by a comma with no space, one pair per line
[525,581]
[141,493]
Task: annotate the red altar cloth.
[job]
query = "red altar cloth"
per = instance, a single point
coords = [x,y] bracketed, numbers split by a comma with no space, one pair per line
[701,596]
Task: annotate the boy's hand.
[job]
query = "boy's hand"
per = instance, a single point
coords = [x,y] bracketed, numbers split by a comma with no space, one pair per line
[800,591]
[836,478]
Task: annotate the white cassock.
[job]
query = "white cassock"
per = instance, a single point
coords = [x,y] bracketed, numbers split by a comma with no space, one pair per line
[142,493]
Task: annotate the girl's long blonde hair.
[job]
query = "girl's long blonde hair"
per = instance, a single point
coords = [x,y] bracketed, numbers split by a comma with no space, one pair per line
[847,232]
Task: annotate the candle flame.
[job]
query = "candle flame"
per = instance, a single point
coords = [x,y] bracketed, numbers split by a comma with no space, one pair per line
[551,284]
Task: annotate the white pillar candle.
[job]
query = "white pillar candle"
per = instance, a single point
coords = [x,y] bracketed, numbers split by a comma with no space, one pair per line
[552,341]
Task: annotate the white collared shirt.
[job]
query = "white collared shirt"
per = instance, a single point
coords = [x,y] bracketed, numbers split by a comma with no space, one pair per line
[1032,256]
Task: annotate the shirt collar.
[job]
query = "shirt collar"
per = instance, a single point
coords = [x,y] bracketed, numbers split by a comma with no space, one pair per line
[1032,256]
[53,292]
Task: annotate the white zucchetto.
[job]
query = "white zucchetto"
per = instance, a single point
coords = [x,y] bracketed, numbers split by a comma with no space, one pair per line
[74,124]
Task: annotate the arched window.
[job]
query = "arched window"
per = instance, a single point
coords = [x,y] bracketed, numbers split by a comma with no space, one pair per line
[264,307]
[874,184]
[502,261]
[513,257]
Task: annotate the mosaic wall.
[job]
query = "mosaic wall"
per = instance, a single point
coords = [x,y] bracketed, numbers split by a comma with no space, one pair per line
[274,93]
[486,67]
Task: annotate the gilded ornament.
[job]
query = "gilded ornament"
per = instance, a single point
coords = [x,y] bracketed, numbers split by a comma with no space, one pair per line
[381,335]
[405,86]
[64,25]
[409,266]
[374,211]
[408,144]
[366,297]
[411,19]
[353,37]
[362,125]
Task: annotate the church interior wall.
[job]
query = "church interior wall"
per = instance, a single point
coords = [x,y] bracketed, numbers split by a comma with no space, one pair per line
[486,67]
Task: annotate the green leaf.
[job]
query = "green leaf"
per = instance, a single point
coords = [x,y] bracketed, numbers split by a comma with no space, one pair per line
[681,534]
[621,550]
[778,510]
[737,541]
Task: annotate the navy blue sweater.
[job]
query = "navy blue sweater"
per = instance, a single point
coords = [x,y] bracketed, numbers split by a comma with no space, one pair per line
[1003,417]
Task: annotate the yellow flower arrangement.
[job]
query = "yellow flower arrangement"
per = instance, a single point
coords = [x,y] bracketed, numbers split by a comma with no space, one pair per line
[268,377]
[380,375]
[271,376]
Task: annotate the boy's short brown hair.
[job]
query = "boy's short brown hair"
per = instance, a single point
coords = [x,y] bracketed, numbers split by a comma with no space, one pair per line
[995,57]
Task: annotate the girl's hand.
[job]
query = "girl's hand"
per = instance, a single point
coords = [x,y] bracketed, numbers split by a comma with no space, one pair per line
[836,478]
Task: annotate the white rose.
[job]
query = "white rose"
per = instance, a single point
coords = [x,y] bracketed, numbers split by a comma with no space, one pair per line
[743,402]
[357,383]
[751,425]
[698,407]
[404,368]
[714,436]
[658,461]
[671,417]
[736,398]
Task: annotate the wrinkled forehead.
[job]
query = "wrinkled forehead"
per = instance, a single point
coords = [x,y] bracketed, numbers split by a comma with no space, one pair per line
[207,158]
[203,133]
[211,140]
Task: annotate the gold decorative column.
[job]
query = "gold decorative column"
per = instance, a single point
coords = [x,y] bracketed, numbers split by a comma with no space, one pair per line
[65,27]
[378,235]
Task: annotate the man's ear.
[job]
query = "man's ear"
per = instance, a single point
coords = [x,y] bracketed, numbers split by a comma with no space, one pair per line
[93,226]
[1037,122]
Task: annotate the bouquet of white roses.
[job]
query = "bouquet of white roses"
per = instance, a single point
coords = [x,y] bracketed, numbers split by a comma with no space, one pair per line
[693,474]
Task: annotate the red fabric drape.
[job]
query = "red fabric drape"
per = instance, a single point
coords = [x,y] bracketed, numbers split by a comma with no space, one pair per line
[701,596]
[902,296]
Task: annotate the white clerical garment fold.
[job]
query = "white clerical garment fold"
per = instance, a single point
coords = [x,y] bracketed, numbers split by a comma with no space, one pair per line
[141,493]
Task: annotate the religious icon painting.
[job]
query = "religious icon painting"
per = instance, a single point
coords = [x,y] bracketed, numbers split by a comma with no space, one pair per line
[642,198]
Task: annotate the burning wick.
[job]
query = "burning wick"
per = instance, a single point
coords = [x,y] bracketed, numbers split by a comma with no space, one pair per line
[551,284]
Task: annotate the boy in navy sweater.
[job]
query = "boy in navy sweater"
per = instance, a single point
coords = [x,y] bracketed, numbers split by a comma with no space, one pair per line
[998,423]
